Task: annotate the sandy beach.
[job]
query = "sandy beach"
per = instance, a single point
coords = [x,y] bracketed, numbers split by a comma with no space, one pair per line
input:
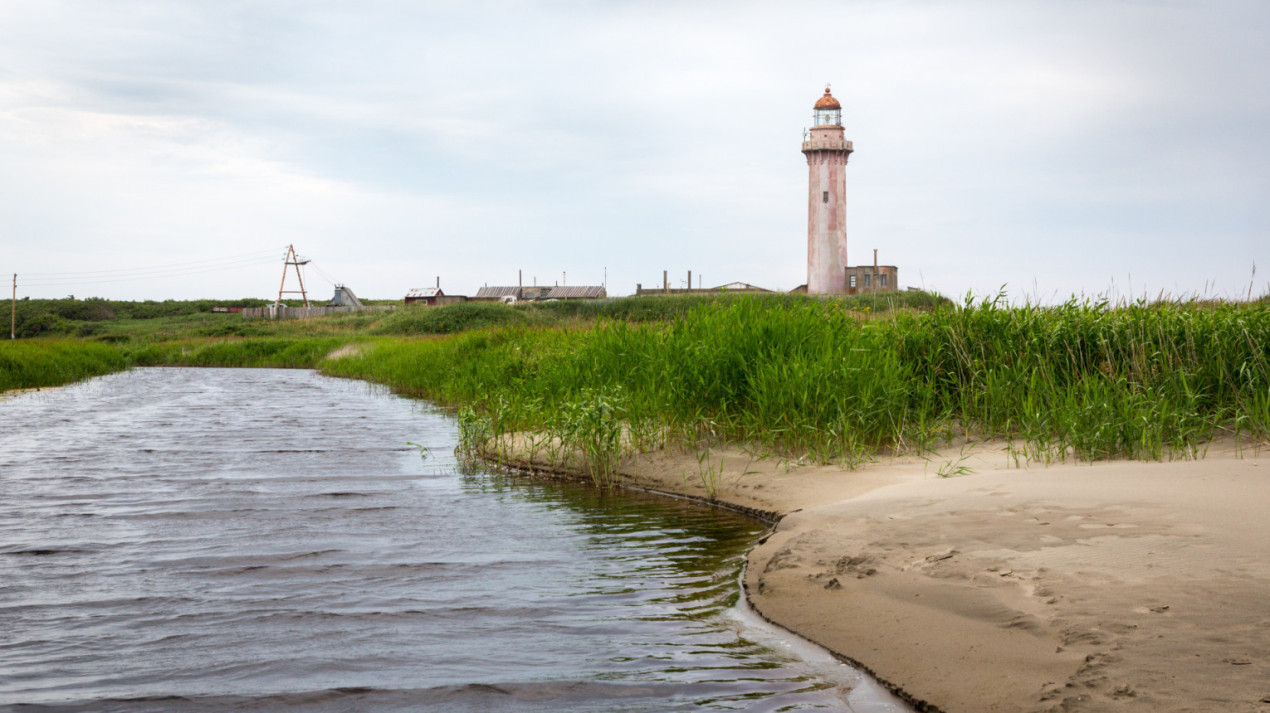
[1116,586]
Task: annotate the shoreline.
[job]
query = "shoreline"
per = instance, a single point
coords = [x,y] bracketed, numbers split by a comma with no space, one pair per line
[509,463]
[1112,586]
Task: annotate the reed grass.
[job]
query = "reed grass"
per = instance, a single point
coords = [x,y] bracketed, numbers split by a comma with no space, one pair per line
[288,353]
[150,322]
[30,364]
[811,378]
[798,377]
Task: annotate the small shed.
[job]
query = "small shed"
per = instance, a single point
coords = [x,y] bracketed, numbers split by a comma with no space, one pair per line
[344,297]
[424,295]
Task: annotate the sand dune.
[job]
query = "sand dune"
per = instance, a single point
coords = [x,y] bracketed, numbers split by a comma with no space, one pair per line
[1118,586]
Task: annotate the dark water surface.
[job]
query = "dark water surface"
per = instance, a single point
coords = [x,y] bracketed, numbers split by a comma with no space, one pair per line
[209,539]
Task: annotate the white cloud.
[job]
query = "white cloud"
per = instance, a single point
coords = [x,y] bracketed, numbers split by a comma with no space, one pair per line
[1038,142]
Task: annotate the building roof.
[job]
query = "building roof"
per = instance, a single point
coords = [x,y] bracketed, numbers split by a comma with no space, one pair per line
[740,287]
[573,292]
[424,292]
[827,101]
[497,292]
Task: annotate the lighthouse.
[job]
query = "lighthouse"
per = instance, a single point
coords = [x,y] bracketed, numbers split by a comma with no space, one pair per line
[827,153]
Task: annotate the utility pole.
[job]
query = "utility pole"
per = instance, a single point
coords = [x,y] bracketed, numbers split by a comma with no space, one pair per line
[288,260]
[13,312]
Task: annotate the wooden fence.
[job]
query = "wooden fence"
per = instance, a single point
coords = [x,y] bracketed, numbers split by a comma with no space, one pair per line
[285,312]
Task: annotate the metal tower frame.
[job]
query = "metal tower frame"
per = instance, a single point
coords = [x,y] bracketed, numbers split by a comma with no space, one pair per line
[288,260]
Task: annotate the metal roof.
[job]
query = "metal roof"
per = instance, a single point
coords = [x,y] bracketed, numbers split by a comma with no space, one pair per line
[740,287]
[566,292]
[420,292]
[827,101]
[497,292]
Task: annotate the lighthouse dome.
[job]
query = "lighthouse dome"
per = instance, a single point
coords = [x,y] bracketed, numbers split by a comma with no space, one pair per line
[828,112]
[827,101]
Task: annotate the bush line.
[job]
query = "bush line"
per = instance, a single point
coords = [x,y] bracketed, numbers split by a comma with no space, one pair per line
[795,377]
[810,378]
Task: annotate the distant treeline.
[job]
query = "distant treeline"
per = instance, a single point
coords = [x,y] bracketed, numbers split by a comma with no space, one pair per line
[124,321]
[466,316]
[806,377]
[835,380]
[65,316]
[66,340]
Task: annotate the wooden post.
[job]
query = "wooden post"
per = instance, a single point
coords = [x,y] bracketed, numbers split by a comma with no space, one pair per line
[283,285]
[300,278]
[13,312]
[287,261]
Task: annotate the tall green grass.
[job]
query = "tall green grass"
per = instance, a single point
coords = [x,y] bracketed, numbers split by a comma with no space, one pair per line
[118,322]
[450,319]
[1139,380]
[815,378]
[289,353]
[788,375]
[37,363]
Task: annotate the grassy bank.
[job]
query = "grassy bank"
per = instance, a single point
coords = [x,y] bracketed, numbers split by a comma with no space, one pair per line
[41,363]
[119,322]
[284,353]
[831,380]
[37,364]
[812,378]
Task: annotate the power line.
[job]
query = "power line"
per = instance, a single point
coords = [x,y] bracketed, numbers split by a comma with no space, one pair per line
[170,266]
[171,270]
[148,274]
[323,275]
[138,278]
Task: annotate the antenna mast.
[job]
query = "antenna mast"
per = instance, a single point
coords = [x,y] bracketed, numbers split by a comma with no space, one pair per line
[288,260]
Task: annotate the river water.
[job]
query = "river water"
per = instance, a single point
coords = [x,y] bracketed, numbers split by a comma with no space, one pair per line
[213,539]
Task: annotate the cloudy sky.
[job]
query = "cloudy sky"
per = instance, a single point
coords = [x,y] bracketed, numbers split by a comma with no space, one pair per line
[170,149]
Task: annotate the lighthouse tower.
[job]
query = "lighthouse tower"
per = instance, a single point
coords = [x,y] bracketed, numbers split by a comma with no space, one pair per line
[827,153]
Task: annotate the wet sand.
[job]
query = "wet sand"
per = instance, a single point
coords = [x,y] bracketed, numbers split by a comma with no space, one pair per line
[1117,586]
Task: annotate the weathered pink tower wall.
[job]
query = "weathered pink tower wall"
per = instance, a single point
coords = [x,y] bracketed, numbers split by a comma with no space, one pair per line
[827,153]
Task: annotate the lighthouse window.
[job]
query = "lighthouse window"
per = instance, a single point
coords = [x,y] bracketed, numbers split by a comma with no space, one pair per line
[826,196]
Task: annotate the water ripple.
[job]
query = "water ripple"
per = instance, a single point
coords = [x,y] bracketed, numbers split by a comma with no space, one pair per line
[189,540]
